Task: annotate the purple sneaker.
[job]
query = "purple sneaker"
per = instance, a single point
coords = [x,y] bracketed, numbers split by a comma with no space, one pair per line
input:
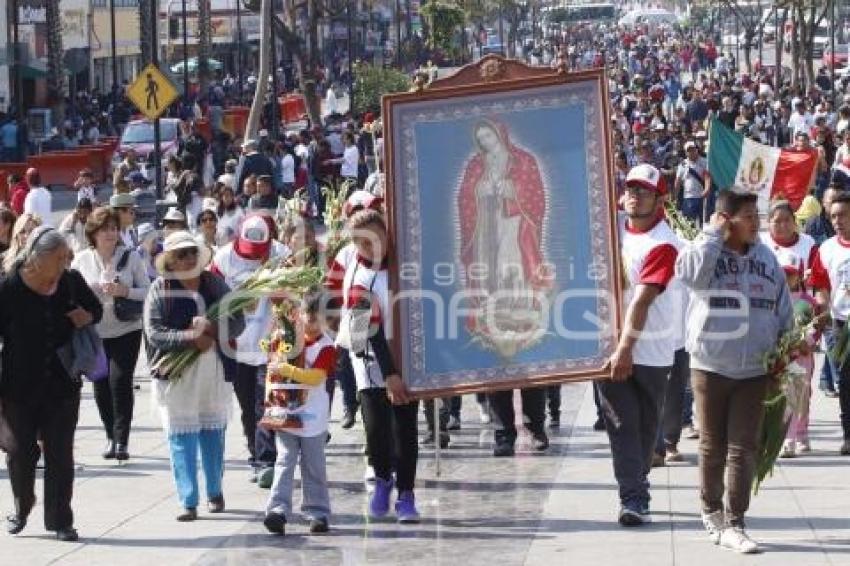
[379,505]
[405,508]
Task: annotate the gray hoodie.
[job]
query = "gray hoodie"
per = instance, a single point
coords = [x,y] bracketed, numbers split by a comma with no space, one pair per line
[740,305]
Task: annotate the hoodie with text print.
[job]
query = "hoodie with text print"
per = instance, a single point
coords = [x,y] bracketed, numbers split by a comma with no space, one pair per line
[740,305]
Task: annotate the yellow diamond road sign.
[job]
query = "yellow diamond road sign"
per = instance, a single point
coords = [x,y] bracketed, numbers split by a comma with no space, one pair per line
[152,92]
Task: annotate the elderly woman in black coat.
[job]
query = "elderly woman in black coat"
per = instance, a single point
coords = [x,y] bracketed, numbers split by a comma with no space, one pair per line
[41,305]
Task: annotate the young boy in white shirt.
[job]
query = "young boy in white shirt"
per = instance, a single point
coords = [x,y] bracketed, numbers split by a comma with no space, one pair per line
[297,408]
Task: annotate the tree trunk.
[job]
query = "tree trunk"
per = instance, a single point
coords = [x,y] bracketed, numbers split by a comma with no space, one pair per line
[147,42]
[780,48]
[306,60]
[253,126]
[308,80]
[55,68]
[204,31]
[796,24]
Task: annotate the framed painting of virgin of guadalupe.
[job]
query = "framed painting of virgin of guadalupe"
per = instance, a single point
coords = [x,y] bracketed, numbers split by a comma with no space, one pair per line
[504,264]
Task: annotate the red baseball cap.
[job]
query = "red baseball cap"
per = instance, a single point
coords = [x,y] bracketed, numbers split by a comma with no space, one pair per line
[254,240]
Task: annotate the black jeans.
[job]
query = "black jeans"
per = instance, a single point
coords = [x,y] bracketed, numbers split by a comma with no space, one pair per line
[53,421]
[346,379]
[445,411]
[632,409]
[553,398]
[533,409]
[114,394]
[249,384]
[391,436]
[670,429]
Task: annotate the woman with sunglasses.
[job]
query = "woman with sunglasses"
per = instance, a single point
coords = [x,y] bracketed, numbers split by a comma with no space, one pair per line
[207,229]
[114,272]
[194,405]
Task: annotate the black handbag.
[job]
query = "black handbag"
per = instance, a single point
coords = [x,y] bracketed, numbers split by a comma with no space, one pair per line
[126,310]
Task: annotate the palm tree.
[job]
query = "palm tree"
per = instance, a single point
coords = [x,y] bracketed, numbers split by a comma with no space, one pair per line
[55,70]
[204,29]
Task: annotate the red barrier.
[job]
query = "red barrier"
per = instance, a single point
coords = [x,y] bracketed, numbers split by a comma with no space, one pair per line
[293,107]
[234,120]
[62,167]
[100,159]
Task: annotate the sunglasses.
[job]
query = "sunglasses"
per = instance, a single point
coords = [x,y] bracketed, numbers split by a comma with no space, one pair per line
[185,253]
[209,219]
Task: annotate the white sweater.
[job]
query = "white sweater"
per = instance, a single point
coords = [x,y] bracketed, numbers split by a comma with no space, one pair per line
[134,276]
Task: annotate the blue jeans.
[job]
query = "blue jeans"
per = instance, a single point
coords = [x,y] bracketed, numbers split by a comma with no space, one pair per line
[692,209]
[829,374]
[184,463]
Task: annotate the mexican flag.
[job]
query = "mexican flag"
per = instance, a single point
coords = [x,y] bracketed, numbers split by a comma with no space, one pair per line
[742,164]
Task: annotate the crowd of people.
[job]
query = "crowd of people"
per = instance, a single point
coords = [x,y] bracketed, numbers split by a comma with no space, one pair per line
[108,268]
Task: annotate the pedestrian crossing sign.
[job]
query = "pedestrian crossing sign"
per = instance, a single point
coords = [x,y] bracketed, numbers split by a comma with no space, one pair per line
[152,92]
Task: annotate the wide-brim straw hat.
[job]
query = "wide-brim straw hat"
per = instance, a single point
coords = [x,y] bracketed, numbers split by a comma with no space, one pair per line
[178,241]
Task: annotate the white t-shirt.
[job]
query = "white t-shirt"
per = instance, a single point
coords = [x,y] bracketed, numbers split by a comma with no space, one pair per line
[310,417]
[800,252]
[39,201]
[691,188]
[350,158]
[235,269]
[800,123]
[831,272]
[352,277]
[649,258]
[287,168]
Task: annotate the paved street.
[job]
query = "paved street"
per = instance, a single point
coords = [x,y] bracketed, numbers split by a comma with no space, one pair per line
[557,508]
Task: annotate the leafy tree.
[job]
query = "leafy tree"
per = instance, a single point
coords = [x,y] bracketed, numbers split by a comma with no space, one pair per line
[371,82]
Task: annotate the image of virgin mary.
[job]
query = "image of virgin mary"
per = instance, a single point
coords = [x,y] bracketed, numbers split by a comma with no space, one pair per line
[502,211]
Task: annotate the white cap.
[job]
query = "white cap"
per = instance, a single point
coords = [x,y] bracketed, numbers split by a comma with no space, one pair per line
[647,176]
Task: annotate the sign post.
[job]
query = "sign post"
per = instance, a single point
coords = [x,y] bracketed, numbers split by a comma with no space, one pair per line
[153,93]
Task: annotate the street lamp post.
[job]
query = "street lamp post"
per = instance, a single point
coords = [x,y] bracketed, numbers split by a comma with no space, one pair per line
[273,52]
[832,50]
[185,54]
[19,85]
[350,62]
[239,49]
[157,164]
[113,42]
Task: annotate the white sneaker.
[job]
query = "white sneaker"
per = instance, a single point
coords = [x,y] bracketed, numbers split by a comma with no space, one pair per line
[369,477]
[736,538]
[789,449]
[805,446]
[484,413]
[690,432]
[714,524]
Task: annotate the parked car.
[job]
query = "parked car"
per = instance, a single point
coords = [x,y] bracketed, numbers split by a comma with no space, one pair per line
[139,135]
[839,60]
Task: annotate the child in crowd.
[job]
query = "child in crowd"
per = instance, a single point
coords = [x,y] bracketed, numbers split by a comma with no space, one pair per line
[296,408]
[797,437]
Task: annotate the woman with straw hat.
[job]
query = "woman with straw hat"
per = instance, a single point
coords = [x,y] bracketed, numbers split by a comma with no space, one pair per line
[195,405]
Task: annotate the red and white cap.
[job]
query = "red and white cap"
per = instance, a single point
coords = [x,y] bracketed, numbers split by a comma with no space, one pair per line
[360,200]
[648,177]
[254,240]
